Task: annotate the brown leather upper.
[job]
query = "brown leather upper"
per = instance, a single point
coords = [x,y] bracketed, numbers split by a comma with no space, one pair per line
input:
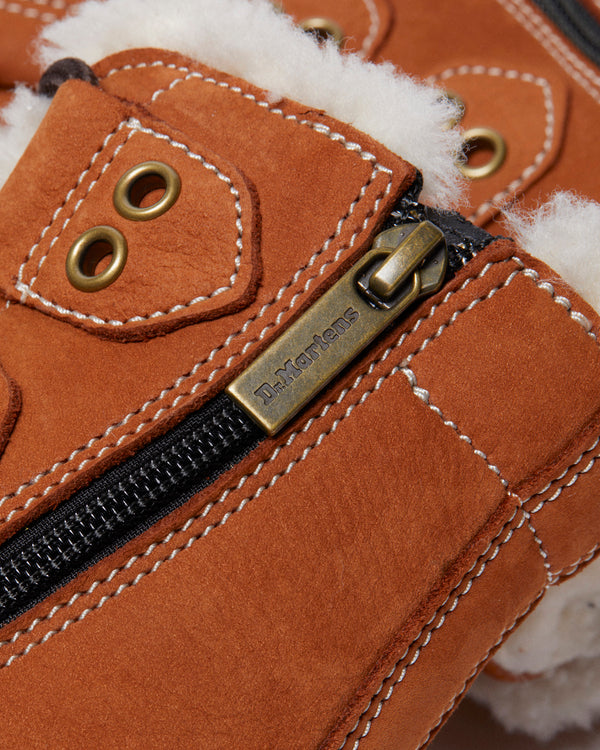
[346,581]
[515,71]
[344,584]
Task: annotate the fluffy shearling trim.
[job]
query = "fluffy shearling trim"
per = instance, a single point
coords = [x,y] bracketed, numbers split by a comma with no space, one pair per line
[565,698]
[565,234]
[564,627]
[22,117]
[250,39]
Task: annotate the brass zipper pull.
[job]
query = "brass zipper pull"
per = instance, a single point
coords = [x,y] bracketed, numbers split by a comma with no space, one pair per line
[403,264]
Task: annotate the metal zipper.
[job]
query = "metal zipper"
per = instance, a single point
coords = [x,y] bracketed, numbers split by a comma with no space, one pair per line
[417,251]
[576,23]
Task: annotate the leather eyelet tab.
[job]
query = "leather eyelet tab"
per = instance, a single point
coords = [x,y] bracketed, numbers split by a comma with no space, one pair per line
[88,250]
[143,179]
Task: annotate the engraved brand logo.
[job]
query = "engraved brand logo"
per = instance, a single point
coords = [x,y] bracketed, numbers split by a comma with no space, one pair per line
[293,368]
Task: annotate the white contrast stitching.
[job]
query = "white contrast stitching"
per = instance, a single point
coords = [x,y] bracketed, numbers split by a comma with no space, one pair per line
[17,8]
[578,317]
[260,466]
[559,491]
[135,127]
[456,698]
[375,23]
[59,210]
[499,199]
[378,168]
[568,469]
[429,628]
[423,394]
[290,440]
[544,555]
[209,506]
[572,569]
[580,72]
[242,481]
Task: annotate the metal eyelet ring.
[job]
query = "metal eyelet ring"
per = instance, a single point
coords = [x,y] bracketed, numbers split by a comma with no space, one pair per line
[457,100]
[323,29]
[487,138]
[88,250]
[138,182]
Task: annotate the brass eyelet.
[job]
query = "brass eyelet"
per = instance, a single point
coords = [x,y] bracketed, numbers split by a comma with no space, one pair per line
[144,178]
[88,250]
[455,99]
[489,138]
[323,29]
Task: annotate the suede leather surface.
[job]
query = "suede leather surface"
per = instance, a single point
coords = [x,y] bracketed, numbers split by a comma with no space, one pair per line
[364,23]
[199,260]
[516,73]
[544,101]
[343,584]
[311,227]
[20,23]
[298,589]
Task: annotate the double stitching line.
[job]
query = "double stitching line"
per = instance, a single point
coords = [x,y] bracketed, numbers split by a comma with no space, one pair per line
[323,130]
[463,689]
[258,470]
[206,510]
[135,127]
[476,570]
[500,198]
[575,67]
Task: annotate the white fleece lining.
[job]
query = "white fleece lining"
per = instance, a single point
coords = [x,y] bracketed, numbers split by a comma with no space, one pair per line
[565,234]
[250,39]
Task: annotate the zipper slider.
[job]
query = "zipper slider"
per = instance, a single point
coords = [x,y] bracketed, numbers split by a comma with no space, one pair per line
[404,263]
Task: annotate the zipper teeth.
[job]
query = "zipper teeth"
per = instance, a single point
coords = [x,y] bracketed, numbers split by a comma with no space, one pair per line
[46,555]
[129,498]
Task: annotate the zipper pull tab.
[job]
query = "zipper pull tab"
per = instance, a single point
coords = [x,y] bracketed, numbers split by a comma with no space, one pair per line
[403,264]
[406,247]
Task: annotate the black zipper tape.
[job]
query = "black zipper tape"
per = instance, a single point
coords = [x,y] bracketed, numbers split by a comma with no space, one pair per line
[120,505]
[128,499]
[576,23]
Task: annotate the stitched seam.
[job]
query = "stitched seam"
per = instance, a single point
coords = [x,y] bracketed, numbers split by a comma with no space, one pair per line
[577,317]
[375,23]
[136,127]
[181,379]
[68,196]
[570,483]
[572,569]
[425,397]
[462,691]
[17,8]
[548,33]
[541,548]
[242,481]
[554,46]
[207,508]
[291,439]
[429,629]
[568,469]
[165,391]
[499,199]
